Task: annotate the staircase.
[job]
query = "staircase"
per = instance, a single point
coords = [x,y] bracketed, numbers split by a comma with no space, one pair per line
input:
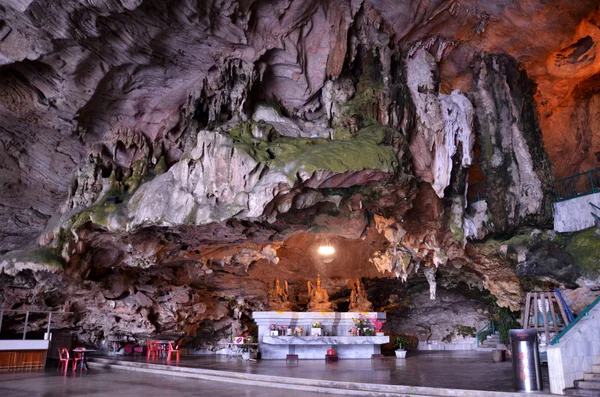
[492,342]
[589,386]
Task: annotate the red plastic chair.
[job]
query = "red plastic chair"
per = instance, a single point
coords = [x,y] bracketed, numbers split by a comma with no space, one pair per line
[63,356]
[152,350]
[77,357]
[173,350]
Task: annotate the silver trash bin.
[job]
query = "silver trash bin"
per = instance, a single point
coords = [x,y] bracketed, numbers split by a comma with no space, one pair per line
[527,373]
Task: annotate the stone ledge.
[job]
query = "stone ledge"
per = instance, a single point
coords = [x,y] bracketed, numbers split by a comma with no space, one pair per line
[325,340]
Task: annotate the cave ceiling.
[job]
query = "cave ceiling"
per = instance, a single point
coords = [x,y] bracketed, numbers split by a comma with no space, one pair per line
[149,147]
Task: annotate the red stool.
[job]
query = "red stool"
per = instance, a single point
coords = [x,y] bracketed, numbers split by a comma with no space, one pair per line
[331,356]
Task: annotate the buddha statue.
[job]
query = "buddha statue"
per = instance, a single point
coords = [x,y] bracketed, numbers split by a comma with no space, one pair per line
[318,298]
[279,297]
[359,302]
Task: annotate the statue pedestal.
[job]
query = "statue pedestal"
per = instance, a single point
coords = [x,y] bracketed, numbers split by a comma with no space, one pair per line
[315,347]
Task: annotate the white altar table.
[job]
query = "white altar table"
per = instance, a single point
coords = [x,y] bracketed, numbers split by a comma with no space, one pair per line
[315,347]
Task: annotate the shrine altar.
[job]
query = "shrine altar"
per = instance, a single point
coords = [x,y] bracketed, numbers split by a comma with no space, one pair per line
[336,335]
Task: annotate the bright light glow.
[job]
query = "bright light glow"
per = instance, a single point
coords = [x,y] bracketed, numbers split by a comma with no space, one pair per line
[326,250]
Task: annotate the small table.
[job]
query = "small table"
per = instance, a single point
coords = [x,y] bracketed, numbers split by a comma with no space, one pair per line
[163,341]
[82,363]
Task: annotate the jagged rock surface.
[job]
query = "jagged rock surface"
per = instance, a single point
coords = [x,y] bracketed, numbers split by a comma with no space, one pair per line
[172,152]
[518,172]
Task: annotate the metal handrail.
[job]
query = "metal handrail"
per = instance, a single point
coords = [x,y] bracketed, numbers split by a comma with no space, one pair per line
[568,311]
[488,329]
[576,175]
[584,313]
[575,186]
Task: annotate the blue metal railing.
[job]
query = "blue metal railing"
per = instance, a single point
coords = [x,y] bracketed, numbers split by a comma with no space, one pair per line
[476,192]
[572,324]
[488,329]
[577,185]
[567,188]
[595,207]
[568,311]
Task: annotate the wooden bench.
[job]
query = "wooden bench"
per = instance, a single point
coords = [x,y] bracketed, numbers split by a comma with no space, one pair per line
[291,357]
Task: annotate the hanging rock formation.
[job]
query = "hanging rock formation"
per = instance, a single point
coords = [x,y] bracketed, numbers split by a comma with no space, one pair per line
[162,161]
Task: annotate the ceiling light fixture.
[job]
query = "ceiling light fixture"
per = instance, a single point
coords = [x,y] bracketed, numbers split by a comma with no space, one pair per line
[326,250]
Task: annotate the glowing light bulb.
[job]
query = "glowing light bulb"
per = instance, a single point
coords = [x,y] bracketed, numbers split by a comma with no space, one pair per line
[326,250]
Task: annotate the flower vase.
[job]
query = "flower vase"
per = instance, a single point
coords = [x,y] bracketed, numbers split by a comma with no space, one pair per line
[379,334]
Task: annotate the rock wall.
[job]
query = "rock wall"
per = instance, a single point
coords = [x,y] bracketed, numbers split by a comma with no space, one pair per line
[444,123]
[165,160]
[518,173]
[451,317]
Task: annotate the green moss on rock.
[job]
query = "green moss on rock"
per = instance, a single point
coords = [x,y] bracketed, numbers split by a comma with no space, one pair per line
[362,152]
[294,155]
[585,249]
[107,214]
[161,166]
[519,239]
[38,258]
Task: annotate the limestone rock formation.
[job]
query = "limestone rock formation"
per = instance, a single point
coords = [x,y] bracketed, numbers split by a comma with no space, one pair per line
[159,160]
[518,174]
[444,123]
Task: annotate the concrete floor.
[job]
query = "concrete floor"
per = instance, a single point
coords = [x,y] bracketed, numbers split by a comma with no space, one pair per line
[470,370]
[100,383]
[445,369]
[455,370]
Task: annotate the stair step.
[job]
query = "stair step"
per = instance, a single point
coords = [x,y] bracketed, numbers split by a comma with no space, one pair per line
[588,385]
[596,368]
[591,376]
[581,392]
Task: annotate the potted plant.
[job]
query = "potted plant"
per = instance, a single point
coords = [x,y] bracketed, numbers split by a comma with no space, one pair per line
[400,344]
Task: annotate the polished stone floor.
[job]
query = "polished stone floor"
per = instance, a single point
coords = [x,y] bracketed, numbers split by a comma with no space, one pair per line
[456,370]
[103,383]
[441,369]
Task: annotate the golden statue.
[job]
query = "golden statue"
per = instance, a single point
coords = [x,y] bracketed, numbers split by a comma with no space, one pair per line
[359,302]
[318,298]
[279,298]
